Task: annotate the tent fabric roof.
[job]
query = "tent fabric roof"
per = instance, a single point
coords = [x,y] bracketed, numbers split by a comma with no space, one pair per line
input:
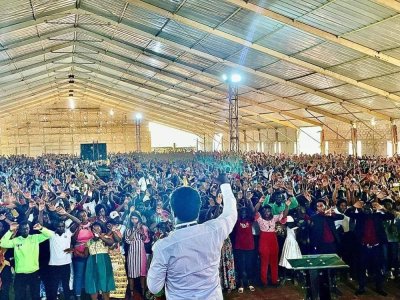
[302,61]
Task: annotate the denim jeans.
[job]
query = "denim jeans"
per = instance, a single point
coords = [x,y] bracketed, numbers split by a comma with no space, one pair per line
[79,274]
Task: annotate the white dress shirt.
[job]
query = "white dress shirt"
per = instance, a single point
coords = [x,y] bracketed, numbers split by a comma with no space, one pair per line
[187,261]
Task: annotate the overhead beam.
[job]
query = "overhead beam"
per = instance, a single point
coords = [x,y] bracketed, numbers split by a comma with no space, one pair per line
[36,39]
[135,105]
[124,95]
[243,99]
[166,108]
[263,49]
[35,54]
[6,27]
[205,115]
[181,125]
[284,123]
[35,65]
[316,31]
[252,71]
[222,61]
[394,5]
[48,72]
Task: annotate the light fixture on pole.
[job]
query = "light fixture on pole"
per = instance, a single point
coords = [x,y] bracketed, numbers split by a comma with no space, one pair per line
[138,122]
[233,80]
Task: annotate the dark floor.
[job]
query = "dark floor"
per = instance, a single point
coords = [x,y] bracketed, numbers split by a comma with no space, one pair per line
[289,291]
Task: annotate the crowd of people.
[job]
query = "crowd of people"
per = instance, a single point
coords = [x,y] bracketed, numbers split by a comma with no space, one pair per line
[67,229]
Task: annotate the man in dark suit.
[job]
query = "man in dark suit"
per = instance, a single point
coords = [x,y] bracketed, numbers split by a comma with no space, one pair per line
[371,236]
[324,238]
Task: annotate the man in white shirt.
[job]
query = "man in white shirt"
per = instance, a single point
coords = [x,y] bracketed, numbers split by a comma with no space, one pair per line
[60,261]
[190,255]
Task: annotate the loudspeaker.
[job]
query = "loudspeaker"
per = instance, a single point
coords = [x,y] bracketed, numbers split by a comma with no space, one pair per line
[94,151]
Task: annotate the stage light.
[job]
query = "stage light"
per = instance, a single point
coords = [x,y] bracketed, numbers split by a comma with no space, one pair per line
[373,122]
[138,116]
[71,103]
[231,77]
[111,112]
[236,78]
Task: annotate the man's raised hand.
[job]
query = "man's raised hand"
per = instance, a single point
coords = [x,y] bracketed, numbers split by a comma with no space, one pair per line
[222,178]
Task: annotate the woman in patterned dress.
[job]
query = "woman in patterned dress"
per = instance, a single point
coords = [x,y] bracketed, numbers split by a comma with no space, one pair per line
[136,261]
[116,231]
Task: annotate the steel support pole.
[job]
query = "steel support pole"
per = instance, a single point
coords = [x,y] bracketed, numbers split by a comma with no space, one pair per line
[233,98]
[138,135]
[394,139]
[354,140]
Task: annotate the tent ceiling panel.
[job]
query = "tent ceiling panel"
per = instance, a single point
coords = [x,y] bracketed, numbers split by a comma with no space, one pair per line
[291,8]
[366,68]
[257,82]
[342,16]
[348,92]
[195,61]
[63,22]
[205,80]
[390,83]
[285,70]
[172,82]
[328,54]
[14,11]
[305,114]
[394,113]
[143,19]
[18,35]
[281,105]
[283,90]
[210,13]
[318,81]
[181,34]
[151,61]
[42,7]
[216,46]
[382,36]
[309,99]
[190,87]
[289,40]
[336,108]
[376,102]
[22,50]
[393,52]
[163,49]
[249,26]
[252,58]
[110,8]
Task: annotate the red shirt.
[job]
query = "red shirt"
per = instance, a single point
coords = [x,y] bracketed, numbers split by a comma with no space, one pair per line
[244,239]
[369,236]
[327,235]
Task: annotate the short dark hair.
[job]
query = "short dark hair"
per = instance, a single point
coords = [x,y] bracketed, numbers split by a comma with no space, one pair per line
[185,203]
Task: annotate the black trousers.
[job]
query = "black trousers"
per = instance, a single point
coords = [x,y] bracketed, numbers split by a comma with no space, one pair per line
[59,274]
[22,281]
[371,258]
[244,260]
